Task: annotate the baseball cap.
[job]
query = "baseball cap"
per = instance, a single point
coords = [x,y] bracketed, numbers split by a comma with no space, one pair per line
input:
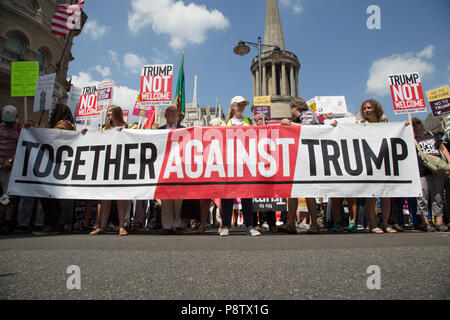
[239,99]
[9,113]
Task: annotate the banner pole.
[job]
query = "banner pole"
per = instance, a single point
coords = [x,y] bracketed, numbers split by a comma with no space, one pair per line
[101,121]
[25,114]
[85,124]
[139,123]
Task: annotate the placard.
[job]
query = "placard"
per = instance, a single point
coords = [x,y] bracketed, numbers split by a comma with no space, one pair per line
[269,204]
[156,84]
[44,92]
[407,94]
[265,110]
[261,101]
[104,95]
[24,76]
[330,104]
[74,98]
[439,100]
[87,108]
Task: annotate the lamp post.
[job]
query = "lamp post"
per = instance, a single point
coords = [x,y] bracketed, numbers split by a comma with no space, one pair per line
[242,49]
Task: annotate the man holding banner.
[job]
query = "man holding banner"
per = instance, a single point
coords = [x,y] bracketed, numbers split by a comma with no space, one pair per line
[9,135]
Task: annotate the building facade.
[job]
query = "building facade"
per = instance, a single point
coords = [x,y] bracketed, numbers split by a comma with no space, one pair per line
[25,35]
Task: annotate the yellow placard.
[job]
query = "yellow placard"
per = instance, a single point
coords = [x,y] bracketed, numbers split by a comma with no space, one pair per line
[313,107]
[438,94]
[261,101]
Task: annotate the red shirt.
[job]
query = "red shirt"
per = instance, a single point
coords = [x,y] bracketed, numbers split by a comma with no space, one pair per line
[8,138]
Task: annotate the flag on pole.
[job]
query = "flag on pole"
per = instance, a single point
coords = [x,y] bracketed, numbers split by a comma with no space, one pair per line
[179,98]
[66,18]
[149,123]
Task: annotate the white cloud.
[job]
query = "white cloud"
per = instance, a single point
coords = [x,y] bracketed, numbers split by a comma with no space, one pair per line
[94,30]
[184,24]
[426,53]
[103,71]
[122,96]
[292,4]
[133,63]
[114,57]
[378,82]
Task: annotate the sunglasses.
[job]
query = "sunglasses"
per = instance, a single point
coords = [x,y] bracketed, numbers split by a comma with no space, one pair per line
[416,122]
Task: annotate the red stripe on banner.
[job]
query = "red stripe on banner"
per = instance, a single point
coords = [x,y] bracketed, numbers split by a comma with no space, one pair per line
[229,162]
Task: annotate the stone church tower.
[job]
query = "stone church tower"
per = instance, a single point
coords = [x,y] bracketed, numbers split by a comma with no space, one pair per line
[279,73]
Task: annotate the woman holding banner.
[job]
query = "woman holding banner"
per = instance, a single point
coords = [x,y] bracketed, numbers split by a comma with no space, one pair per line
[114,121]
[236,118]
[372,112]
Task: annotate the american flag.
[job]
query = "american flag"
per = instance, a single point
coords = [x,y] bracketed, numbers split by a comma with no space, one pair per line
[66,18]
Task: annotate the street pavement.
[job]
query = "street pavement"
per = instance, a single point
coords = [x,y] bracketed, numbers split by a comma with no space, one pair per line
[275,266]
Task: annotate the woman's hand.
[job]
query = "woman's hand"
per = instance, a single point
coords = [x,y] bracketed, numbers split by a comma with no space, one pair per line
[84,131]
[286,121]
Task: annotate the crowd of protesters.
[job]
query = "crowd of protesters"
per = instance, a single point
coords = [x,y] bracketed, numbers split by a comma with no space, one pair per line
[46,216]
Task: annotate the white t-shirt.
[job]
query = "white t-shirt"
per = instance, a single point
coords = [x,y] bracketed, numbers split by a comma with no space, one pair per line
[237,122]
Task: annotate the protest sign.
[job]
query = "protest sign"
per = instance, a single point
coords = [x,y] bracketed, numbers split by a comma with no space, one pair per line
[376,160]
[125,114]
[156,84]
[269,204]
[265,110]
[313,107]
[87,108]
[24,76]
[74,98]
[407,94]
[104,95]
[439,100]
[44,92]
[331,104]
[261,100]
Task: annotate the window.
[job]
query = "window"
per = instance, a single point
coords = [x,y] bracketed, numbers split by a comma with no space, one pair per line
[43,59]
[32,4]
[14,47]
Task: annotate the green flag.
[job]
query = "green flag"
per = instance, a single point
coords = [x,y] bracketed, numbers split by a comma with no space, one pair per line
[179,98]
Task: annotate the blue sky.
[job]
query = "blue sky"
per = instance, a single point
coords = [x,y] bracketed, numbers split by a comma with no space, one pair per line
[339,55]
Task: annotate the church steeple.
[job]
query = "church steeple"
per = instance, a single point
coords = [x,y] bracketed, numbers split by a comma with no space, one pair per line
[279,72]
[273,32]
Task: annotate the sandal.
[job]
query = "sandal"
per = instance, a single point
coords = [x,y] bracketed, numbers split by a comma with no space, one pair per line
[376,230]
[389,230]
[97,231]
[122,231]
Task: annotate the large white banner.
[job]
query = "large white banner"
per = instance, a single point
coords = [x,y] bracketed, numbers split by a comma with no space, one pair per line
[357,160]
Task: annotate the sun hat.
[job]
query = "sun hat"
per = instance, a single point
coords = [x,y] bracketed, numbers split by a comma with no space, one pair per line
[9,113]
[239,99]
